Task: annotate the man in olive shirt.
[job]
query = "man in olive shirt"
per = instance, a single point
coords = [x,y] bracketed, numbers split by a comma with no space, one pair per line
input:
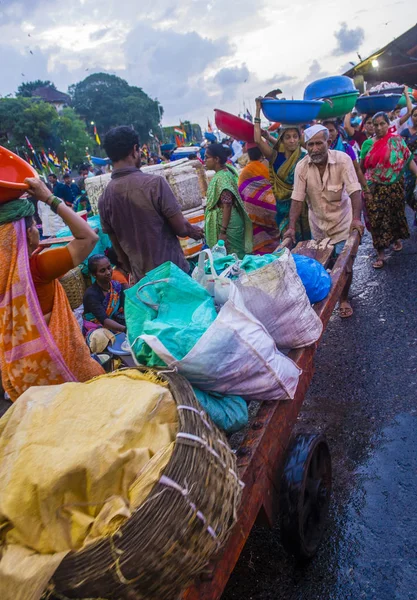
[139,211]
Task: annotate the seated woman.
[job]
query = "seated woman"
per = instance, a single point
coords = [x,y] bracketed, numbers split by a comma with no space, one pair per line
[40,340]
[104,300]
[226,218]
[260,204]
[283,157]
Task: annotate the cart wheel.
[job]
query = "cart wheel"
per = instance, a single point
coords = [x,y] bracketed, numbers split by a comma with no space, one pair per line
[305,494]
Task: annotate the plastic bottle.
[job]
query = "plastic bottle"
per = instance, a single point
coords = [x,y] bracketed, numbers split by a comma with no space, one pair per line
[219,250]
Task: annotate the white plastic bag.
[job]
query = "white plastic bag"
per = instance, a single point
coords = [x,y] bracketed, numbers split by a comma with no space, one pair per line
[235,356]
[216,285]
[276,296]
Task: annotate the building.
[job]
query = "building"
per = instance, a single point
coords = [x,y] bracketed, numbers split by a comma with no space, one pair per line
[52,96]
[397,62]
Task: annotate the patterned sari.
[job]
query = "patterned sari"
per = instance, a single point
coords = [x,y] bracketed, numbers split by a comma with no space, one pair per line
[239,230]
[282,180]
[260,204]
[409,178]
[385,163]
[113,309]
[31,352]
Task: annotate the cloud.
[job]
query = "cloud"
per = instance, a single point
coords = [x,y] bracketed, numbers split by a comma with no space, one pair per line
[99,34]
[231,76]
[348,40]
[279,78]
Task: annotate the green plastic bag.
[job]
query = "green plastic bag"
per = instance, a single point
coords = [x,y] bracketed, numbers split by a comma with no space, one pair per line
[250,262]
[229,413]
[170,305]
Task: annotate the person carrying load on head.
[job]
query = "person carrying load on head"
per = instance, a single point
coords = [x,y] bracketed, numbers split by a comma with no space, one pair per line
[41,342]
[283,158]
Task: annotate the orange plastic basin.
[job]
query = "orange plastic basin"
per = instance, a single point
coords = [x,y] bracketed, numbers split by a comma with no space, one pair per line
[13,172]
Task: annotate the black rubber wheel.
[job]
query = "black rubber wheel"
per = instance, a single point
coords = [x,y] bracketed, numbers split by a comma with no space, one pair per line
[305,494]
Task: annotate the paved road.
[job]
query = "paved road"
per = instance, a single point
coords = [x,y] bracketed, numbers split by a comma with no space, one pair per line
[364,398]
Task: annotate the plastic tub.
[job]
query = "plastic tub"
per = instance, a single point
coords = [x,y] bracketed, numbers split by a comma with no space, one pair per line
[291,112]
[234,126]
[13,172]
[379,102]
[329,86]
[342,105]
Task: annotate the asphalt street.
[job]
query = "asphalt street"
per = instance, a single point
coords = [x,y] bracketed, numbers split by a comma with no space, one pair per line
[364,398]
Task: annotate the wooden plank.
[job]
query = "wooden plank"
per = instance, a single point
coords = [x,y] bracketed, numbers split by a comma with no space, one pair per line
[262,453]
[320,251]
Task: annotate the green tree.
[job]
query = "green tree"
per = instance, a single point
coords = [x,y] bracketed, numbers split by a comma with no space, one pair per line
[45,128]
[25,90]
[109,101]
[71,137]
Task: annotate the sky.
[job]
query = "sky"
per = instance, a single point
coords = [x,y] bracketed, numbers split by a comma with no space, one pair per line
[194,55]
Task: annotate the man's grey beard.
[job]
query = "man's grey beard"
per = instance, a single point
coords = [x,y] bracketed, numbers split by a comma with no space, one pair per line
[319,159]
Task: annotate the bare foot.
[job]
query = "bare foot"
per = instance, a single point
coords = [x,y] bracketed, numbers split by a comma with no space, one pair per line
[397,246]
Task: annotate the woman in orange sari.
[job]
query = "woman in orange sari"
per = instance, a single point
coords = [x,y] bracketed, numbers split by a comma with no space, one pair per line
[41,342]
[256,192]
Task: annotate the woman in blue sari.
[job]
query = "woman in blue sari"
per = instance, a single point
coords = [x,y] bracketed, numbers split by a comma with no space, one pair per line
[104,300]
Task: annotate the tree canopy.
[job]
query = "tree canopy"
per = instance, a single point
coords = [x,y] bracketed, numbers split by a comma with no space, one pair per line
[45,128]
[110,101]
[25,90]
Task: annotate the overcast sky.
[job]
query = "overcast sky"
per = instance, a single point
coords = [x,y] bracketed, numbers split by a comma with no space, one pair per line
[194,55]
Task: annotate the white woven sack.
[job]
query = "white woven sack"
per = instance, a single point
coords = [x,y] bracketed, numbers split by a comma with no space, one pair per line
[276,296]
[235,356]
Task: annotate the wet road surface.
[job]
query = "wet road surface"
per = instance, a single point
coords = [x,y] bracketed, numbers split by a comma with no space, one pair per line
[364,398]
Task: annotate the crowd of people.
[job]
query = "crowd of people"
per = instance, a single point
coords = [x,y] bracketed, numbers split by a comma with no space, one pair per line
[312,182]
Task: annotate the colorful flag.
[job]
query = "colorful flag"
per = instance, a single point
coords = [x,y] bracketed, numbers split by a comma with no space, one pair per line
[29,144]
[179,131]
[96,135]
[179,141]
[248,116]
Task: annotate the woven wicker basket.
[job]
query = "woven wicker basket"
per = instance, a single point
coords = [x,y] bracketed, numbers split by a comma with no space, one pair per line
[74,286]
[170,538]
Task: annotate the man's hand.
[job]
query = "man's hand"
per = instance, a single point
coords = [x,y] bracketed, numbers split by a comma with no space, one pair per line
[38,189]
[196,233]
[289,234]
[358,226]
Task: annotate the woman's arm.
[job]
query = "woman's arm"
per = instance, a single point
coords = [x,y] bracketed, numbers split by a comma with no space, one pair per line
[413,167]
[360,176]
[85,237]
[114,326]
[409,106]
[348,127]
[265,148]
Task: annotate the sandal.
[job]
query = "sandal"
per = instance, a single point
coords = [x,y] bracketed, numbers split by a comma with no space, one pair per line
[378,264]
[397,247]
[346,312]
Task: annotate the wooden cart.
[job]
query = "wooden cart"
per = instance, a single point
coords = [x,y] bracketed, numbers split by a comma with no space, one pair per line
[285,475]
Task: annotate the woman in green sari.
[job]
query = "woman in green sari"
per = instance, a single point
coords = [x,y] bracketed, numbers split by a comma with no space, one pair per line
[226,218]
[283,157]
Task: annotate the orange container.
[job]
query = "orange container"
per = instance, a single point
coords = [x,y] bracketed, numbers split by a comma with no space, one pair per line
[13,172]
[189,246]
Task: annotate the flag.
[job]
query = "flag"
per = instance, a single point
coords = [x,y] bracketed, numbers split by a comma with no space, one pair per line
[248,116]
[51,158]
[96,135]
[57,162]
[29,144]
[209,127]
[88,157]
[179,131]
[179,141]
[65,162]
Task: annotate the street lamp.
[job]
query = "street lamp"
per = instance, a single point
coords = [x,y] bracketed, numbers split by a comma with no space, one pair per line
[92,123]
[375,63]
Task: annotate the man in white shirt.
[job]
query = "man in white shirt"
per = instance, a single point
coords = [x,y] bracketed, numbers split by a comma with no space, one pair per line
[400,123]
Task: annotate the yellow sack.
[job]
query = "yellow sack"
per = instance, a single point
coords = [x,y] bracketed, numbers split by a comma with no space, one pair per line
[75,461]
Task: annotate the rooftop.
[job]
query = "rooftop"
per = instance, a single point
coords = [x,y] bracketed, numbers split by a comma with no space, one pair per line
[49,94]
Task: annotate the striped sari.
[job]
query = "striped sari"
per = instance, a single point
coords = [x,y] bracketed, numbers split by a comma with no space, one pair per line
[260,204]
[32,352]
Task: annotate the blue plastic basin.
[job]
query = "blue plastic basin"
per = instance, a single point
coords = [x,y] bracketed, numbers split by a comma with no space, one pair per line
[380,102]
[329,86]
[291,112]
